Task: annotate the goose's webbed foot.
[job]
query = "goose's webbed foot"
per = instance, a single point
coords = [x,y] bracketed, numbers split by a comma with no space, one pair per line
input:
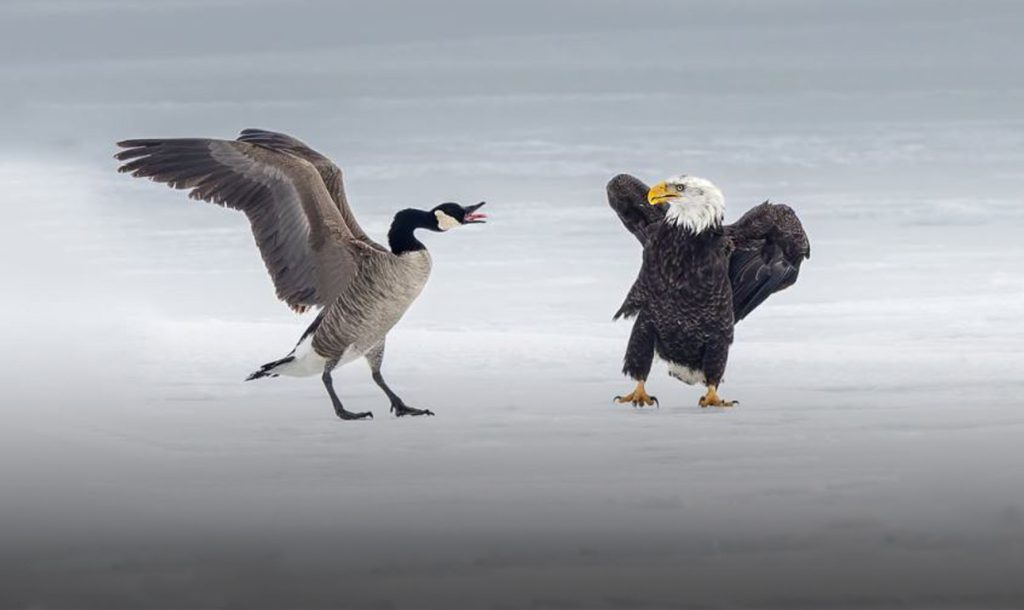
[400,409]
[638,397]
[347,415]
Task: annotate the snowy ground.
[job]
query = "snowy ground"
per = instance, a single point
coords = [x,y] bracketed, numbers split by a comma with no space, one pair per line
[875,459]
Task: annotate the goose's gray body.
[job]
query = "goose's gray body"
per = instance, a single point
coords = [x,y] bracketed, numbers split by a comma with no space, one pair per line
[312,245]
[357,323]
[372,305]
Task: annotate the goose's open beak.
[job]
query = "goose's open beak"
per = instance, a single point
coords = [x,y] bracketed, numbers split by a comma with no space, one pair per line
[474,217]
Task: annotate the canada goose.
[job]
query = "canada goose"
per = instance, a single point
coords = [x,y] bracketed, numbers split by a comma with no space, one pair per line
[698,277]
[315,251]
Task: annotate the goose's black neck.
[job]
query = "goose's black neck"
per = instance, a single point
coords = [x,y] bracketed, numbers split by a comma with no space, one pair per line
[401,237]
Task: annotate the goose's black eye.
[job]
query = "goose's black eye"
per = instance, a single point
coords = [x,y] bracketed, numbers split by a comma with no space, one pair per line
[680,187]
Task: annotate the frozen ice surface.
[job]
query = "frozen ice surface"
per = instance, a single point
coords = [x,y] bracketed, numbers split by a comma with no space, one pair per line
[875,456]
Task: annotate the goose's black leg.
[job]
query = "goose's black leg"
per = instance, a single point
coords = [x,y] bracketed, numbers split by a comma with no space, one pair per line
[338,408]
[375,357]
[398,407]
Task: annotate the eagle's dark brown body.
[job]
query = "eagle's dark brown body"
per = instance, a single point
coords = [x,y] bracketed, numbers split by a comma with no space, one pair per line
[694,287]
[685,303]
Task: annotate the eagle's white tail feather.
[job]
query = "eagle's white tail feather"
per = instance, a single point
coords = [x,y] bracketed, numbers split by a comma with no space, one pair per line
[686,374]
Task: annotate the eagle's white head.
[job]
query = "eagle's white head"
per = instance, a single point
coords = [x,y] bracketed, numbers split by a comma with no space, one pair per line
[694,203]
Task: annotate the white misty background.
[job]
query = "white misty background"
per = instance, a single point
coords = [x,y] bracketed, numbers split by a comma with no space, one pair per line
[876,448]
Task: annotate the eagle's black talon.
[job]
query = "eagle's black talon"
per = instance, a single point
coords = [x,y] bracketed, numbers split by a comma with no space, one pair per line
[638,397]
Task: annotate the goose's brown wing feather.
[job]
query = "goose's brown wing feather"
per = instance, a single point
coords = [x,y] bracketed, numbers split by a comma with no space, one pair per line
[329,172]
[306,245]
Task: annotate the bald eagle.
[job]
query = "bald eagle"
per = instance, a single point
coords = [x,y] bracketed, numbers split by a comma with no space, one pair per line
[699,277]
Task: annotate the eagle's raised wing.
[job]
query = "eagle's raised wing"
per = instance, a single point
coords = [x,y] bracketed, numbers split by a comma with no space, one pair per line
[770,243]
[627,195]
[307,247]
[330,172]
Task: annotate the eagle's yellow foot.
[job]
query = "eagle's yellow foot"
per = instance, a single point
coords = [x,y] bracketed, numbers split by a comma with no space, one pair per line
[712,399]
[638,397]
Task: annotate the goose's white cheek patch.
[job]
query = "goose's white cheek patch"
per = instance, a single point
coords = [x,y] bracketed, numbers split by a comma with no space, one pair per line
[444,221]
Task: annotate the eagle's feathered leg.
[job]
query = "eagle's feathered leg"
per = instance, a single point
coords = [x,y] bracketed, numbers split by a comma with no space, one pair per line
[638,360]
[715,357]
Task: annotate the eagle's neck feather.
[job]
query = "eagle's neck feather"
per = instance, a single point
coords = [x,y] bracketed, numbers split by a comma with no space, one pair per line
[695,217]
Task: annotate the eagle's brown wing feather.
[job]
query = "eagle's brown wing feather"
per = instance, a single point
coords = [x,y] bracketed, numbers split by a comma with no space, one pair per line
[627,195]
[769,246]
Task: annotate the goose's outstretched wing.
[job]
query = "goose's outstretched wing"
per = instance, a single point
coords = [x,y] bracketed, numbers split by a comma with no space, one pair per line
[330,172]
[306,244]
[770,243]
[627,195]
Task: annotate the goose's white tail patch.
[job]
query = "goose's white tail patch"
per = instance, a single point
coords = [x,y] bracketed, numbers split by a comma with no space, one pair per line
[306,361]
[686,374]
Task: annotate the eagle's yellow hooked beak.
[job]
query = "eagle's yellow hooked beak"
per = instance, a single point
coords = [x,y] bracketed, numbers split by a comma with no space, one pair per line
[660,193]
